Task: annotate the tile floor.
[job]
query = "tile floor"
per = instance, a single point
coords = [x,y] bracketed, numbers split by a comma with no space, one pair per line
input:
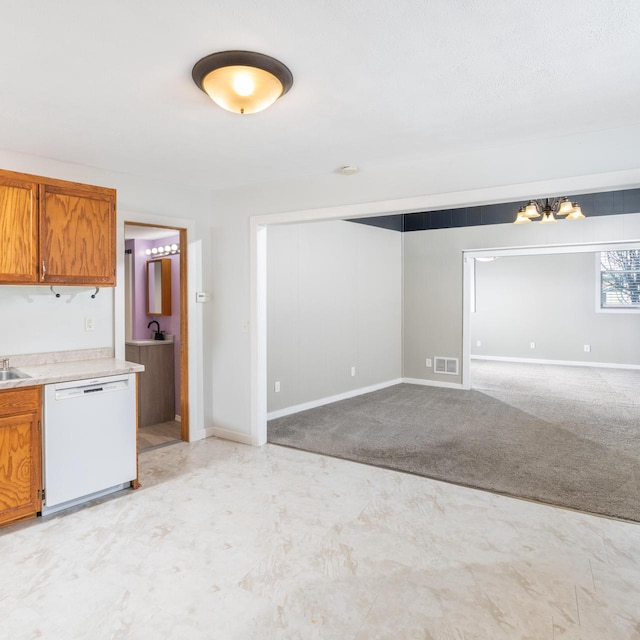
[225,542]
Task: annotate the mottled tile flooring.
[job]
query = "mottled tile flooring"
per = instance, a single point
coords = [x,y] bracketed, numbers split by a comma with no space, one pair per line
[225,542]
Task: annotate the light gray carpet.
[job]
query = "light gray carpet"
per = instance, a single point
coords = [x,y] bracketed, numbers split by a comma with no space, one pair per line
[568,436]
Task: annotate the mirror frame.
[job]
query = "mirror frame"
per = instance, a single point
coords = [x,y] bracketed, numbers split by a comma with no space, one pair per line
[162,271]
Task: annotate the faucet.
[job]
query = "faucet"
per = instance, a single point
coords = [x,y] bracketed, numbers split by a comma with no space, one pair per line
[157,335]
[5,364]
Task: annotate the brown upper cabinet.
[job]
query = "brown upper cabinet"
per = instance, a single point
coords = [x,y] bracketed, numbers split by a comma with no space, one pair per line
[56,232]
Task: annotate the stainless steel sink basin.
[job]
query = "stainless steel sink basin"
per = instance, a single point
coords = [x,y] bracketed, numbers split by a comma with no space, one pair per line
[12,374]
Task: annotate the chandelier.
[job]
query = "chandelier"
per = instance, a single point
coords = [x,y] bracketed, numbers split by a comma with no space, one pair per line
[548,208]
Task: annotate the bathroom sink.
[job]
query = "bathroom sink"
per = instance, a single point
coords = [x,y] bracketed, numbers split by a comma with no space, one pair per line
[12,374]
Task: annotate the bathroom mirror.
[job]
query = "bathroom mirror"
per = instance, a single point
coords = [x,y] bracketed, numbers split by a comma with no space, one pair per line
[159,287]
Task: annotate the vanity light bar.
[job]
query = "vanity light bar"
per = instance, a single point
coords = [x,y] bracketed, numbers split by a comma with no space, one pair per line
[165,250]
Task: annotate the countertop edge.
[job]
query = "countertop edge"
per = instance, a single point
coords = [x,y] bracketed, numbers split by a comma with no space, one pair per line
[69,371]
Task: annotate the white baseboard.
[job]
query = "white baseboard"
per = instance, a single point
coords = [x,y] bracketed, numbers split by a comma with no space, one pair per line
[227,434]
[568,363]
[433,383]
[280,413]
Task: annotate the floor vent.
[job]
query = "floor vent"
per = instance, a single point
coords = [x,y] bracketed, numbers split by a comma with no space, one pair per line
[446,365]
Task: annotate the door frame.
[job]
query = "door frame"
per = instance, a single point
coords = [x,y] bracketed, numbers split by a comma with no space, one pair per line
[191,406]
[468,285]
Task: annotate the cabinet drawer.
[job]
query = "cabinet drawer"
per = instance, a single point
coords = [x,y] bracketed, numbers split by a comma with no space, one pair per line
[14,401]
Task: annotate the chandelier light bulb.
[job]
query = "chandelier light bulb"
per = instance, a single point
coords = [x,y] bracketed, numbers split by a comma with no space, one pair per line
[576,214]
[243,84]
[531,210]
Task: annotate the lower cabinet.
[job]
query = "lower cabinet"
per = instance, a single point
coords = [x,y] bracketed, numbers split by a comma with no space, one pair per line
[20,454]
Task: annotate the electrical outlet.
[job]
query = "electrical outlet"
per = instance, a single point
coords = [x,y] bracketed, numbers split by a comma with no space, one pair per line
[532,345]
[353,372]
[89,323]
[587,348]
[276,386]
[478,343]
[427,363]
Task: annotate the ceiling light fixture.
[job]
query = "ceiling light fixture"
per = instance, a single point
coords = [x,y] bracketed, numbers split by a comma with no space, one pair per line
[242,81]
[548,209]
[163,250]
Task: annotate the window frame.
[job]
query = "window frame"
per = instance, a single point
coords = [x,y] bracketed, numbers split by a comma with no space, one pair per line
[598,287]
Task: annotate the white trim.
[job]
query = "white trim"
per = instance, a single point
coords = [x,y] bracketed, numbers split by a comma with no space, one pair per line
[433,383]
[226,434]
[280,413]
[568,363]
[543,250]
[258,329]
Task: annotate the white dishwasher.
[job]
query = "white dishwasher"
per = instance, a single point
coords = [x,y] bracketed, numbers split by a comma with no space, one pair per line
[89,436]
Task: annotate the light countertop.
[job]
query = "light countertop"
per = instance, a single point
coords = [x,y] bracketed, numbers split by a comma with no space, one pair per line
[62,367]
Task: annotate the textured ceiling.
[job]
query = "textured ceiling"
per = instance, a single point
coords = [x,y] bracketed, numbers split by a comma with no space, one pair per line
[108,84]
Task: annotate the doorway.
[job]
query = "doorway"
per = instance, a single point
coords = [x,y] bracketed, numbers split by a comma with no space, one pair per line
[156,333]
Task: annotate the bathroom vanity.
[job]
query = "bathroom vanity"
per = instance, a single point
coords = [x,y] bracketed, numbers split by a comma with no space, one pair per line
[156,385]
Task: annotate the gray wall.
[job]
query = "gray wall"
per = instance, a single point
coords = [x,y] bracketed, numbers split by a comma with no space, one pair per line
[433,277]
[548,300]
[333,302]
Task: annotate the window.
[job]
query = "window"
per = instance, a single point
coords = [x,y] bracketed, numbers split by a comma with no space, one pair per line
[619,280]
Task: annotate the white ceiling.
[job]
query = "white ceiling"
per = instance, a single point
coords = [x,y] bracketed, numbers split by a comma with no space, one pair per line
[108,83]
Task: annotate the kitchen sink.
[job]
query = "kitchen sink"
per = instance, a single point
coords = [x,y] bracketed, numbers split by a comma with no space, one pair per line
[12,374]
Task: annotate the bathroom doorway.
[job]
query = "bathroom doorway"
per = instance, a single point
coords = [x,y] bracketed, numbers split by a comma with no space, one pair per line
[156,330]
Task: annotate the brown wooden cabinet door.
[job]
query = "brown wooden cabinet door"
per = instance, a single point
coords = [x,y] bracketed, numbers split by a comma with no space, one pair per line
[77,235]
[18,230]
[20,456]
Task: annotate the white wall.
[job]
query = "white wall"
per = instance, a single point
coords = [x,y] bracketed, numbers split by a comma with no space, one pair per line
[433,278]
[333,302]
[549,300]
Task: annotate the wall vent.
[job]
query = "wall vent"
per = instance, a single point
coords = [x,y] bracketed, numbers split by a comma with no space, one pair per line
[446,365]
